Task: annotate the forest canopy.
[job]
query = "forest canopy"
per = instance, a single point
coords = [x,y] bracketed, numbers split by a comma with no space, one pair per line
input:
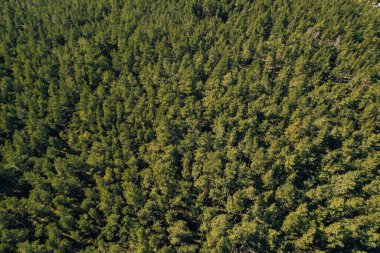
[189,126]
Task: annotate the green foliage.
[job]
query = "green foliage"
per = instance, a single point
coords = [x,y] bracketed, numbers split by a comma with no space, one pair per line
[189,126]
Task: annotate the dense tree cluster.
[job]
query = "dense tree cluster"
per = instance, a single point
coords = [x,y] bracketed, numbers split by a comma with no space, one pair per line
[189,126]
